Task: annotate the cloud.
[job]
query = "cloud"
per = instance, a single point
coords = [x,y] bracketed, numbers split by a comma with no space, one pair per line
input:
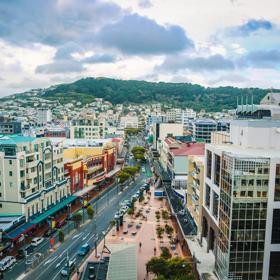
[66,50]
[60,66]
[135,34]
[103,58]
[196,64]
[145,4]
[250,27]
[261,59]
[53,22]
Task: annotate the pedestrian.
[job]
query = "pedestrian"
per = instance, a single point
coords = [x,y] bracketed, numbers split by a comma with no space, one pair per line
[1,275]
[155,251]
[140,245]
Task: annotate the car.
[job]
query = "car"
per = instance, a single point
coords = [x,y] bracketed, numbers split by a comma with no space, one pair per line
[84,250]
[37,241]
[24,252]
[68,269]
[7,262]
[60,224]
[117,215]
[124,209]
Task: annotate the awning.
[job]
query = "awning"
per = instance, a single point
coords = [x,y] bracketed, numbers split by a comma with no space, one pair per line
[113,172]
[53,210]
[17,232]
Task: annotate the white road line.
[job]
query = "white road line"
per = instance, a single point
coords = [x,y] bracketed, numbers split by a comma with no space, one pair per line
[51,260]
[85,237]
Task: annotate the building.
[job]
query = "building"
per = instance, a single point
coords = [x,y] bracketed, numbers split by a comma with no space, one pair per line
[32,176]
[87,129]
[241,209]
[195,186]
[220,137]
[55,132]
[151,119]
[44,116]
[129,122]
[187,114]
[160,131]
[10,127]
[87,167]
[201,129]
[272,98]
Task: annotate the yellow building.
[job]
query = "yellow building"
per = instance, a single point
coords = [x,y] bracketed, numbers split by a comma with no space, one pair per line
[195,188]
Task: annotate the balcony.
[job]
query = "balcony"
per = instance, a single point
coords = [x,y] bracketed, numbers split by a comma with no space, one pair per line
[31,175]
[30,164]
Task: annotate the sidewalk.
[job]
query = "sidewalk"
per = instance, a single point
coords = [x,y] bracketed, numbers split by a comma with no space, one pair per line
[136,230]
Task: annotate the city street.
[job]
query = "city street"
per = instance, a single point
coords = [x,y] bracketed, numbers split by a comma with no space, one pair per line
[106,207]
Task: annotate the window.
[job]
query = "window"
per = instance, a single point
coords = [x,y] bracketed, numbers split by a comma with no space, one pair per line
[217,170]
[10,161]
[209,163]
[207,196]
[215,205]
[0,194]
[274,265]
[11,184]
[10,173]
[275,238]
[0,205]
[277,183]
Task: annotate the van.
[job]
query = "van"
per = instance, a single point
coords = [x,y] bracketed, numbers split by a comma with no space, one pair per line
[7,262]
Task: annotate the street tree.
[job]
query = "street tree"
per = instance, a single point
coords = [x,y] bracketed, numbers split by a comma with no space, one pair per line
[90,211]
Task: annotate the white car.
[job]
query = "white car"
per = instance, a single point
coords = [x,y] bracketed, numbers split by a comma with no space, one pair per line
[7,262]
[37,241]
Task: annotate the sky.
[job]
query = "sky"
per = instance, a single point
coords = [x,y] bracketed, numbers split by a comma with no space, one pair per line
[212,43]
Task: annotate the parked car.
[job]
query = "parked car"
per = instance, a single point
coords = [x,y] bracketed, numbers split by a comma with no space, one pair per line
[60,224]
[37,241]
[117,215]
[24,252]
[68,269]
[84,250]
[7,262]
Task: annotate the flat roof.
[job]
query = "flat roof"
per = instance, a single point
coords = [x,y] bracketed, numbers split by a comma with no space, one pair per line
[247,152]
[15,139]
[122,263]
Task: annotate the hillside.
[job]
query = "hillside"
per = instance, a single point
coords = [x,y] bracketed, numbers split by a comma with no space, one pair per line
[131,91]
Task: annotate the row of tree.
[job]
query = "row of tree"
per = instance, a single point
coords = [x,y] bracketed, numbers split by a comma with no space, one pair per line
[127,173]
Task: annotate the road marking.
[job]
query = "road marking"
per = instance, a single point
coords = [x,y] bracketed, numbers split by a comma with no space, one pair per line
[85,237]
[77,235]
[58,264]
[51,260]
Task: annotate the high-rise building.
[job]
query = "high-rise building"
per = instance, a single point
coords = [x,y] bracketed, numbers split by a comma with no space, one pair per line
[10,127]
[31,176]
[241,206]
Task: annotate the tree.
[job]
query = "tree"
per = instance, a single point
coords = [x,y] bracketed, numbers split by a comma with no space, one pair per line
[77,218]
[90,211]
[169,229]
[165,253]
[61,236]
[170,268]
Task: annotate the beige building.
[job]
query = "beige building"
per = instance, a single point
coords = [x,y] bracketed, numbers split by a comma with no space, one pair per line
[31,176]
[87,128]
[195,188]
[220,137]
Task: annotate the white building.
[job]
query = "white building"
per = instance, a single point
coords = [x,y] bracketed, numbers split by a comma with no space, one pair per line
[129,122]
[44,116]
[31,176]
[241,205]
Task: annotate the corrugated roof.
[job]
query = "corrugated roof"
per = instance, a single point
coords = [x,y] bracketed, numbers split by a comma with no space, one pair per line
[122,264]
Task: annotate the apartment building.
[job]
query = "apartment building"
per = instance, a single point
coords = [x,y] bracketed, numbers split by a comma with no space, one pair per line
[129,122]
[10,127]
[87,128]
[195,187]
[201,129]
[31,176]
[44,116]
[241,202]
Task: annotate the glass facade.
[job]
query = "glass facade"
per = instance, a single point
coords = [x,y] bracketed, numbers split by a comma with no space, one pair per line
[242,217]
[277,183]
[217,170]
[209,164]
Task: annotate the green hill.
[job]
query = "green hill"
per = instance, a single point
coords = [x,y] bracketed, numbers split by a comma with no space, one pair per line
[131,91]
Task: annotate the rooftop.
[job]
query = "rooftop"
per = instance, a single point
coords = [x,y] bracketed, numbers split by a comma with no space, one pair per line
[190,149]
[15,139]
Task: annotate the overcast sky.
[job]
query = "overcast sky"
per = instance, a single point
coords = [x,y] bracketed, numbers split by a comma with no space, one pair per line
[210,42]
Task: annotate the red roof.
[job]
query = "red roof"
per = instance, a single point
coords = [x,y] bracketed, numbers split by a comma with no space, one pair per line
[116,140]
[169,140]
[190,149]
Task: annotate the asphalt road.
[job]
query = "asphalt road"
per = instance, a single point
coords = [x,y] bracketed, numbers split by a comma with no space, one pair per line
[90,232]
